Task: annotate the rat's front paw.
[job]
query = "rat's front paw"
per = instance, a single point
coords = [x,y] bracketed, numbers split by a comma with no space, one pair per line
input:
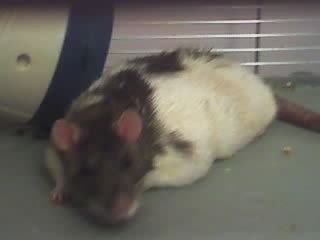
[58,196]
[157,179]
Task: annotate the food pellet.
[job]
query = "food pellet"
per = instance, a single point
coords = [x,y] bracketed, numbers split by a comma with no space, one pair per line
[287,150]
[288,84]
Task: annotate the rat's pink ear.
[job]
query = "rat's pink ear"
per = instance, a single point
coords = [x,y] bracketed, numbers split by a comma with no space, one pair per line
[65,135]
[129,126]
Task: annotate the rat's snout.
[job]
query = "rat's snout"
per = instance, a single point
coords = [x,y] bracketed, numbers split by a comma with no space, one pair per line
[122,209]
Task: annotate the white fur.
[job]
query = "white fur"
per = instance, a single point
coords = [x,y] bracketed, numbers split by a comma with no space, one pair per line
[219,106]
[53,164]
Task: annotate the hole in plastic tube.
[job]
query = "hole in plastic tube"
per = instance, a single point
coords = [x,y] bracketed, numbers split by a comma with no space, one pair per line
[23,62]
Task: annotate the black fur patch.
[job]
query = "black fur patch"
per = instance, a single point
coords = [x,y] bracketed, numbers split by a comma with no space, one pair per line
[208,55]
[171,61]
[131,85]
[165,62]
[125,89]
[180,144]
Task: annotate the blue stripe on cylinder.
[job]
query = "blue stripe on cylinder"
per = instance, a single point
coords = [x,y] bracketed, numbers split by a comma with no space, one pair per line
[81,61]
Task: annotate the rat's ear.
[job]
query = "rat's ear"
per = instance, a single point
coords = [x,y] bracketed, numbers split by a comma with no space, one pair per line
[129,125]
[65,134]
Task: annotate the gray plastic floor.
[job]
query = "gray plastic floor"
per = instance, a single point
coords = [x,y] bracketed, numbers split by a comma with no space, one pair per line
[261,193]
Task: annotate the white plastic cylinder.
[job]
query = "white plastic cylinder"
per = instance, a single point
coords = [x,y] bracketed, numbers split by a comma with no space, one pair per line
[31,39]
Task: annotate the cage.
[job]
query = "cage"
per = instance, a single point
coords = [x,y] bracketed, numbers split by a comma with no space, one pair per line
[267,191]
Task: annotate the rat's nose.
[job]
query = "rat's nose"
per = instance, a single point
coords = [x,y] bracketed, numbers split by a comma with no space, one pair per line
[124,207]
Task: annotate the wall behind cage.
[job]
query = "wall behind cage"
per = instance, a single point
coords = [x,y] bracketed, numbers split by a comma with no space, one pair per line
[275,40]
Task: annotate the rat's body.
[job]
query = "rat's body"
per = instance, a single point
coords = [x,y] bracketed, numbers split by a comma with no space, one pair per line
[193,108]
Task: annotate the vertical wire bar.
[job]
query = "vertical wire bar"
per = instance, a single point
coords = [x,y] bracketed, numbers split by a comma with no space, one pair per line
[257,39]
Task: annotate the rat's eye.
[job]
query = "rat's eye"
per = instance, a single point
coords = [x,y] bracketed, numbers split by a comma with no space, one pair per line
[126,163]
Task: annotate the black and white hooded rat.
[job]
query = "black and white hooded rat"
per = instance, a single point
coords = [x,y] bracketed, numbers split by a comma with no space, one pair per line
[159,120]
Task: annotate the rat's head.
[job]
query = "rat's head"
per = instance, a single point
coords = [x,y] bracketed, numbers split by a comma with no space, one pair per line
[103,167]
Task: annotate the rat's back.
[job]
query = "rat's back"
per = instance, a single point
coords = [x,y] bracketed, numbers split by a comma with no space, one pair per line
[214,104]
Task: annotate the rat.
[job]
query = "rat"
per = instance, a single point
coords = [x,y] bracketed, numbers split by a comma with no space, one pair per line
[159,120]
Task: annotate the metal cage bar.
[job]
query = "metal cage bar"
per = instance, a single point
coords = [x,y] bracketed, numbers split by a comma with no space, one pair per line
[275,38]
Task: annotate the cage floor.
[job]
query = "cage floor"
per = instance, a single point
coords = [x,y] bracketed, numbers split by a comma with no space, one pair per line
[261,193]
